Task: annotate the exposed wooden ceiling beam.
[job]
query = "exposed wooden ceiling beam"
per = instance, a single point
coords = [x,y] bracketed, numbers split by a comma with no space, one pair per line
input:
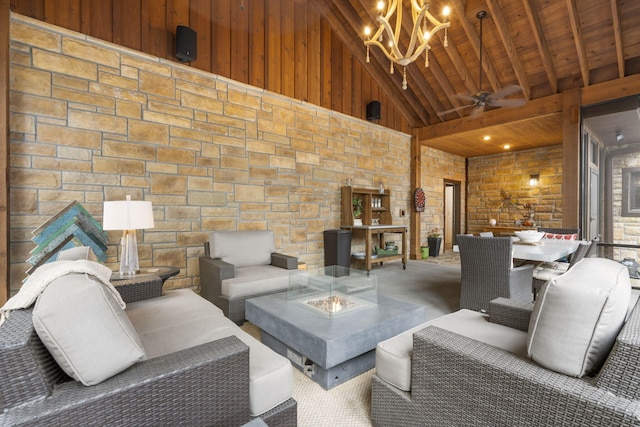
[538,107]
[543,47]
[617,34]
[461,67]
[393,91]
[574,18]
[474,39]
[510,47]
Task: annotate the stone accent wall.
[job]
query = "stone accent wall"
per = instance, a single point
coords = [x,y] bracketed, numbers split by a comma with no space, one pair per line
[438,166]
[626,229]
[509,172]
[91,121]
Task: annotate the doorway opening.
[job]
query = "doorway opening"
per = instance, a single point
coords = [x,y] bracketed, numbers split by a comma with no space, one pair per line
[452,213]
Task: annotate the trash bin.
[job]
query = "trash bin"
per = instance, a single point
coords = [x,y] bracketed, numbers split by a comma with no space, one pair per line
[337,248]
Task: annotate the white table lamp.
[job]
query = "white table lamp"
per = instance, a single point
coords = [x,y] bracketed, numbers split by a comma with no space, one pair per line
[129,216]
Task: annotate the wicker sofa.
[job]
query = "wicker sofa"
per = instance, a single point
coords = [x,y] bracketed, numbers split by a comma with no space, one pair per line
[470,369]
[242,264]
[199,370]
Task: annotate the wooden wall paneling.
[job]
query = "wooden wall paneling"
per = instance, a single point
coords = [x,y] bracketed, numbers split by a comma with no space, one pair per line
[156,36]
[365,91]
[357,109]
[64,13]
[347,81]
[300,50]
[287,29]
[177,14]
[313,58]
[239,43]
[325,64]
[336,73]
[32,8]
[127,23]
[4,149]
[273,59]
[200,19]
[257,43]
[226,39]
[101,19]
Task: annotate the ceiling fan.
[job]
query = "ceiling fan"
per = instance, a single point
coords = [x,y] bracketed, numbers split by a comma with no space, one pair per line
[487,99]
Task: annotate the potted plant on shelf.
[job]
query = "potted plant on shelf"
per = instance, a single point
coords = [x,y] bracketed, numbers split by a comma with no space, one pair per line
[435,241]
[356,202]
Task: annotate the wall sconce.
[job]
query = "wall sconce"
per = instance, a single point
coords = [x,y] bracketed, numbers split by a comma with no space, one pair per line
[129,216]
[534,179]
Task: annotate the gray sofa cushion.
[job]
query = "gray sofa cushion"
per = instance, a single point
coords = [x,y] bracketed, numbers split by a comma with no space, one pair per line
[578,315]
[242,248]
[393,356]
[182,319]
[85,329]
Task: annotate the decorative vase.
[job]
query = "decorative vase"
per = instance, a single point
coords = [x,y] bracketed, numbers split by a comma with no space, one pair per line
[424,251]
[357,222]
[492,222]
[434,245]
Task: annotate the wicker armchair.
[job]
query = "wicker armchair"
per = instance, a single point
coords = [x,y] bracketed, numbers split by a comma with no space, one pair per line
[458,381]
[487,272]
[202,385]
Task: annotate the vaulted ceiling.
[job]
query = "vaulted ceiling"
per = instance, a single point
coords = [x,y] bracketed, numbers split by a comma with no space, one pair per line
[544,46]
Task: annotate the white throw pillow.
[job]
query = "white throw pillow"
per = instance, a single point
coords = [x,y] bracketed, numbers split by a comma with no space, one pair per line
[578,315]
[85,329]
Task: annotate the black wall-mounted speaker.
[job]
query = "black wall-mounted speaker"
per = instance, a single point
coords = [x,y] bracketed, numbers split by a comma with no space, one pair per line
[186,44]
[373,110]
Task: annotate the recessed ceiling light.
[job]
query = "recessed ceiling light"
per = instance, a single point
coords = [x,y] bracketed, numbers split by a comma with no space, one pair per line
[486,138]
[506,146]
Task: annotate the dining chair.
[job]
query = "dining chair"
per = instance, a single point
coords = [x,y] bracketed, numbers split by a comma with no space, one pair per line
[550,270]
[487,272]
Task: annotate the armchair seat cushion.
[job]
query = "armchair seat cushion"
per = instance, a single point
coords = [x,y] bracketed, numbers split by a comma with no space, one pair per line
[578,315]
[181,319]
[393,356]
[254,280]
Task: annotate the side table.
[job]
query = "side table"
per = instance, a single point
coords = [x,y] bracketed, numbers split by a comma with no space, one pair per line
[163,272]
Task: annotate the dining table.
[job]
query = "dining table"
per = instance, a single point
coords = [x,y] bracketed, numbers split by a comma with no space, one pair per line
[546,250]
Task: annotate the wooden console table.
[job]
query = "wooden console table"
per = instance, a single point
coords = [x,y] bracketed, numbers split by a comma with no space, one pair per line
[380,230]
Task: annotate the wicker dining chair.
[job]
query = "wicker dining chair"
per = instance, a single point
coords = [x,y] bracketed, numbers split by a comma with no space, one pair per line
[487,272]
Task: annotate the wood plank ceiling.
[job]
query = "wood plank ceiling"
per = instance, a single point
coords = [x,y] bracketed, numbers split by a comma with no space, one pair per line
[313,50]
[544,46]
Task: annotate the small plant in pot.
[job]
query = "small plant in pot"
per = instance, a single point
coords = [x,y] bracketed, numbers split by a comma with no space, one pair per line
[357,205]
[435,241]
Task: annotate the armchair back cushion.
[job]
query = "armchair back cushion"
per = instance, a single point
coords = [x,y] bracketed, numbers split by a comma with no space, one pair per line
[578,315]
[103,344]
[242,248]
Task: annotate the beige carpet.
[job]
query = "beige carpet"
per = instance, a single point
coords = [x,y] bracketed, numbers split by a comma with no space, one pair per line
[349,404]
[345,405]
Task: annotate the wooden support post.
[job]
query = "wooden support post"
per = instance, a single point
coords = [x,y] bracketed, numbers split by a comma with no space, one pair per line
[571,100]
[4,149]
[416,173]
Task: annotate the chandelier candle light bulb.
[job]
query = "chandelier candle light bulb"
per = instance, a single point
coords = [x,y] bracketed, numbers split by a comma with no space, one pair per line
[420,34]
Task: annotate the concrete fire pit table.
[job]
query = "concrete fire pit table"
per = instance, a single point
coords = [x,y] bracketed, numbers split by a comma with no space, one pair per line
[329,324]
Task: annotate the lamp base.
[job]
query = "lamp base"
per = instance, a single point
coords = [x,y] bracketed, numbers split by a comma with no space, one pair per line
[129,253]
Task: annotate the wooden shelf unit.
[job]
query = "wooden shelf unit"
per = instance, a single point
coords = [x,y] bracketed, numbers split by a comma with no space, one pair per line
[368,195]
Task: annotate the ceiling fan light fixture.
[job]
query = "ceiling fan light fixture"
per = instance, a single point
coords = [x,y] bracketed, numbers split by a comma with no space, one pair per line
[419,41]
[620,136]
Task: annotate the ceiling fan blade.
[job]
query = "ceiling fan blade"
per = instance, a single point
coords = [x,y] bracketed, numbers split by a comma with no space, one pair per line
[444,113]
[506,91]
[509,103]
[465,97]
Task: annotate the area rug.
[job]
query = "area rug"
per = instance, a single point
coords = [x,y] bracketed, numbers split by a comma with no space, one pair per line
[347,404]
[437,285]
